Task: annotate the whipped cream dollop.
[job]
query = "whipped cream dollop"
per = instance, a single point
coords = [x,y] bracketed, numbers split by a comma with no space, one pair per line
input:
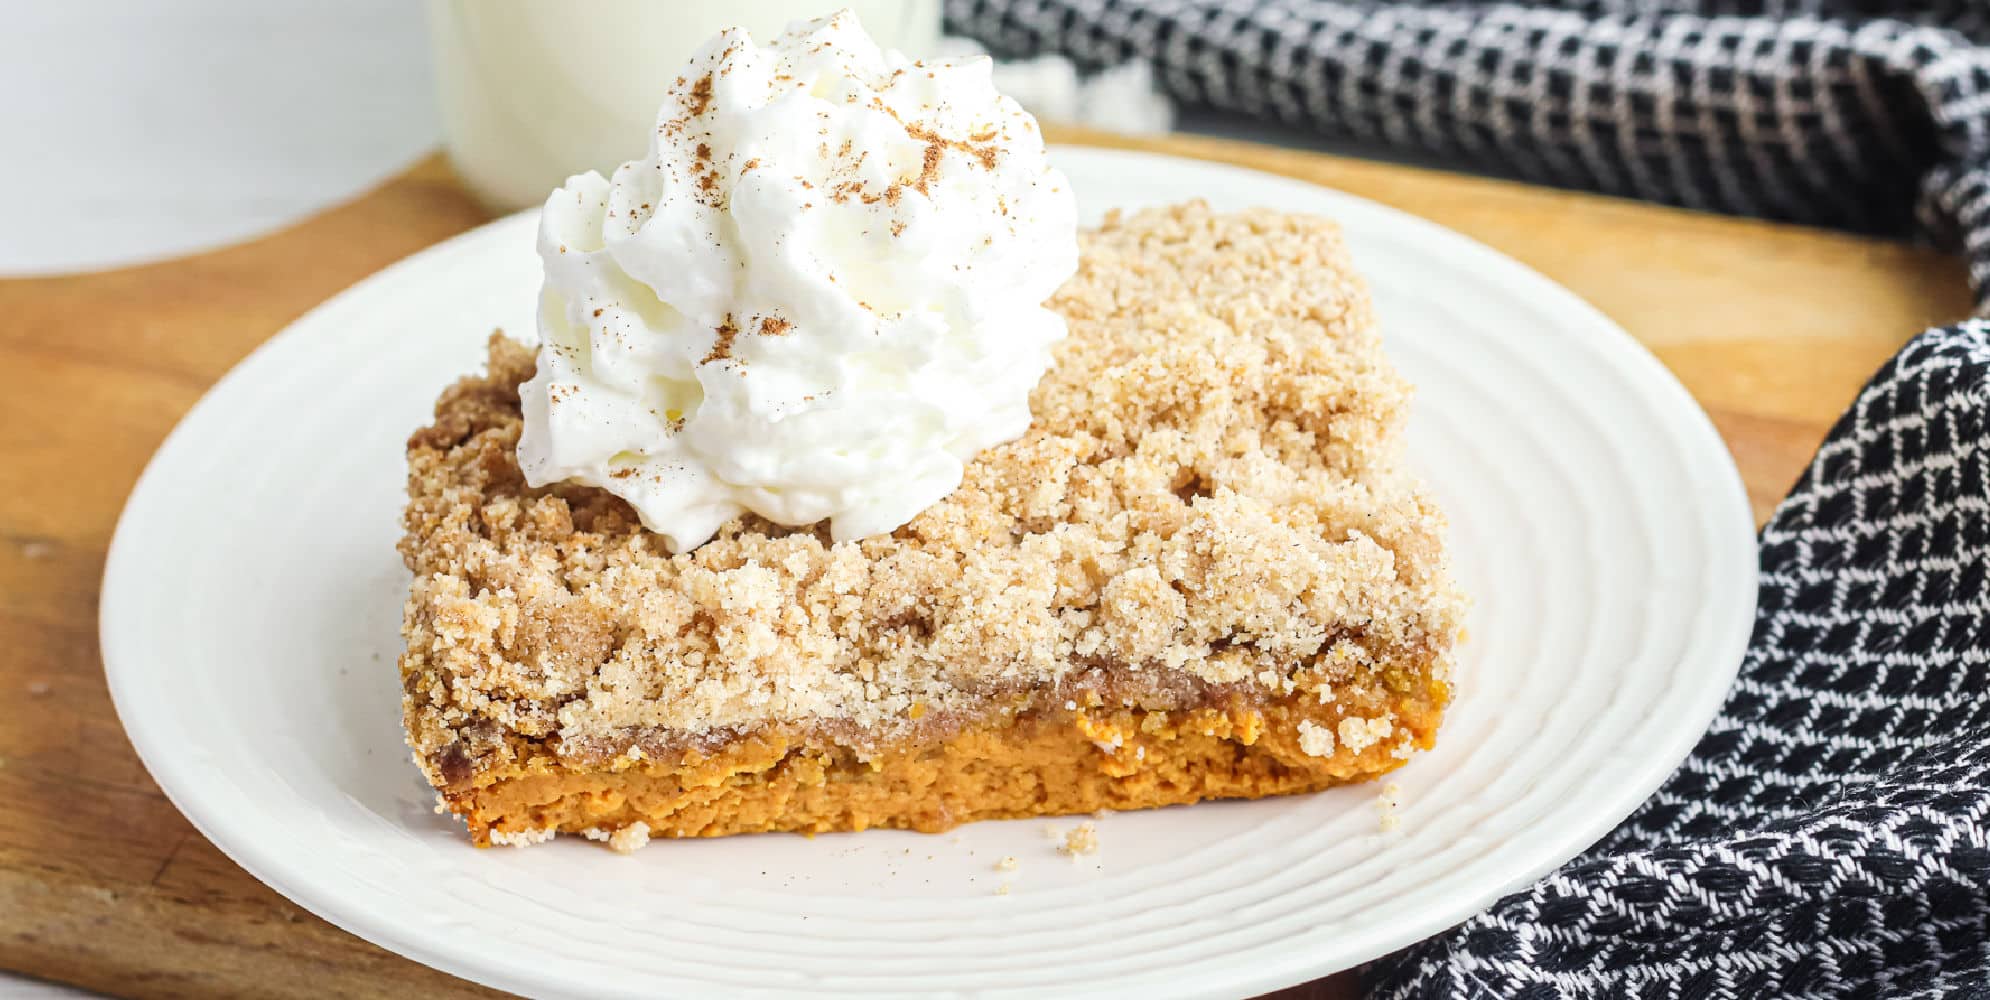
[817,297]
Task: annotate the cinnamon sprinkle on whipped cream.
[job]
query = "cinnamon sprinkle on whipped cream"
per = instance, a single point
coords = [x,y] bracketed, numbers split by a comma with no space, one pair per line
[816,298]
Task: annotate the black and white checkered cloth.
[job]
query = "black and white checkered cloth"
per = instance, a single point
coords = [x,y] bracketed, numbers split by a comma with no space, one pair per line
[1830,836]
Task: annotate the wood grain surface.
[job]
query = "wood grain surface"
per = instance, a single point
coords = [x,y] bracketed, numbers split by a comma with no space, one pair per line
[104,885]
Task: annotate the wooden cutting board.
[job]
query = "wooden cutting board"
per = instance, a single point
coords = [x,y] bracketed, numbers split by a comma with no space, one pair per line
[103,884]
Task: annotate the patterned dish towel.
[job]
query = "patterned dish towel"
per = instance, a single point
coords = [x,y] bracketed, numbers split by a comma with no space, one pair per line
[1830,835]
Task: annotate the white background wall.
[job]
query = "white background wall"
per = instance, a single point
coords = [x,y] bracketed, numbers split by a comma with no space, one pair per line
[137,129]
[133,130]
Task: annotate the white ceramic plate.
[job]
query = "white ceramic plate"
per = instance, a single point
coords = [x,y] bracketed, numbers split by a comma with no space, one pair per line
[252,602]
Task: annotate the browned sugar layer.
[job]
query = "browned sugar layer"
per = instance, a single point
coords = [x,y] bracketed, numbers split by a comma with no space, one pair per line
[1205,507]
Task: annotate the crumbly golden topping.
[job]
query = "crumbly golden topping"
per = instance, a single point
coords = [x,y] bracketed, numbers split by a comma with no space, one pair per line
[1207,506]
[1316,740]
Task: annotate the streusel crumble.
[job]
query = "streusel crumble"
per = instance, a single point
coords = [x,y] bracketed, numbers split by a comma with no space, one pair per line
[1200,574]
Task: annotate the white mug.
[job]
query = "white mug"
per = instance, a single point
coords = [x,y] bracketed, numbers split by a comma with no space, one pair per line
[533,91]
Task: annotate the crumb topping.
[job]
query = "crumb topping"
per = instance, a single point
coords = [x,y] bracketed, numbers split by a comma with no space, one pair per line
[1207,506]
[630,838]
[523,838]
[1316,740]
[1360,734]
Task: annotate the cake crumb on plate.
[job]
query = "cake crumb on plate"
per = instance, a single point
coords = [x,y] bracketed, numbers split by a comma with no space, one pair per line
[1083,839]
